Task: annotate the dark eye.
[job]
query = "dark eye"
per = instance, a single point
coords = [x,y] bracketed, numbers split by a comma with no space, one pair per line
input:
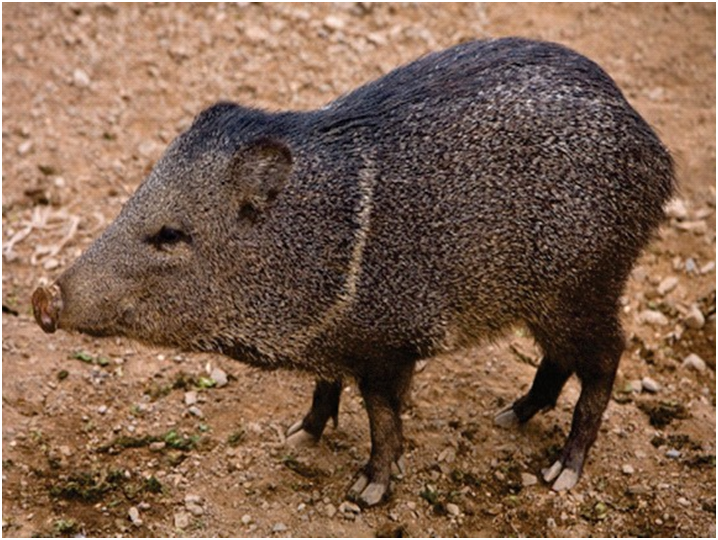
[168,236]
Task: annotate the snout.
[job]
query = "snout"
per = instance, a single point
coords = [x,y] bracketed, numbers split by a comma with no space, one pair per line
[47,306]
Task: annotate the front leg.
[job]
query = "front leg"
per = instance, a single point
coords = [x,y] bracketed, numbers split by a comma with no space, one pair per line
[384,396]
[325,405]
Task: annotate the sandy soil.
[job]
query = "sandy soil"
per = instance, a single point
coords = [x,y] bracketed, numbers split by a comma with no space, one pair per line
[102,438]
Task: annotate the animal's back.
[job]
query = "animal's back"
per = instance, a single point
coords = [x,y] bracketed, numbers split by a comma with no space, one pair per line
[497,175]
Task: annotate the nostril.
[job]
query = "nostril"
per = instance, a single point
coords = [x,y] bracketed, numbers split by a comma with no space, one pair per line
[46,306]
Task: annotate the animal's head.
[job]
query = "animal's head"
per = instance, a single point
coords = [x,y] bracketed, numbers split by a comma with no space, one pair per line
[167,270]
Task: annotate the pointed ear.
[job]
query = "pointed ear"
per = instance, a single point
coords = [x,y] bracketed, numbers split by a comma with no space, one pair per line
[260,171]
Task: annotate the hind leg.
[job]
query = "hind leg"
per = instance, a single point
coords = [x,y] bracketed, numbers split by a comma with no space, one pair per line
[325,405]
[590,344]
[550,378]
[598,360]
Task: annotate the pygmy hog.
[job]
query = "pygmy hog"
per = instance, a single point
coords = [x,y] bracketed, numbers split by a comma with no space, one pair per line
[495,183]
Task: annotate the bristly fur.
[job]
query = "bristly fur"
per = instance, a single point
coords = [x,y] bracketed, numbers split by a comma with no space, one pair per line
[497,182]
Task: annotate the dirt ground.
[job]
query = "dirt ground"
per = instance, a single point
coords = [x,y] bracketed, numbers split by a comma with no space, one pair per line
[109,438]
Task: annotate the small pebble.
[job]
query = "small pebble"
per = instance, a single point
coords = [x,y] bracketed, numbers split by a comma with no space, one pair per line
[696,227]
[330,510]
[694,318]
[673,453]
[452,509]
[246,519]
[528,479]
[650,385]
[157,446]
[219,376]
[51,264]
[348,507]
[448,455]
[676,208]
[333,22]
[652,318]
[195,411]
[691,265]
[134,515]
[102,409]
[192,499]
[181,520]
[708,267]
[627,469]
[279,527]
[194,509]
[80,78]
[683,501]
[667,285]
[24,148]
[693,361]
[190,398]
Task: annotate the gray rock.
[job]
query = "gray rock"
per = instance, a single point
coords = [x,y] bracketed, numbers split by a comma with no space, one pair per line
[196,411]
[134,515]
[194,509]
[673,453]
[667,285]
[676,208]
[348,507]
[698,227]
[51,264]
[246,519]
[452,509]
[650,385]
[190,398]
[627,469]
[332,22]
[528,479]
[182,520]
[693,361]
[279,527]
[330,510]
[652,318]
[219,376]
[24,148]
[80,78]
[694,318]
